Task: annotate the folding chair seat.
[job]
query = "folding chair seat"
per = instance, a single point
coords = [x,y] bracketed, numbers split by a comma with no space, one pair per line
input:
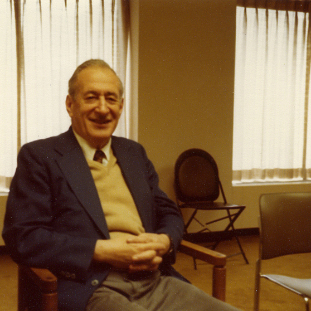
[197,187]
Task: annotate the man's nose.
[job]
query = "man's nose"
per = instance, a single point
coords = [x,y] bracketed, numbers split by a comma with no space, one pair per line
[102,105]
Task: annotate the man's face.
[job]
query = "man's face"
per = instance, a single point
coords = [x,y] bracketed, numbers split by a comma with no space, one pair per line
[96,107]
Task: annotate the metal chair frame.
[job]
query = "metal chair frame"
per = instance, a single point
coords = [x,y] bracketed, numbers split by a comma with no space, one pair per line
[204,199]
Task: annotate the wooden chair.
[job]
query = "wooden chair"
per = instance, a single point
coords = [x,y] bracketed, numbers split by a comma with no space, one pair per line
[37,288]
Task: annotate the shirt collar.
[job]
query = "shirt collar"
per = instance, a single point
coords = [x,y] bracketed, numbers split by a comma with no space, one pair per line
[90,151]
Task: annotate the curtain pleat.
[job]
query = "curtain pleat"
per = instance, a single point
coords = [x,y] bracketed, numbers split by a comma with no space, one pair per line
[44,42]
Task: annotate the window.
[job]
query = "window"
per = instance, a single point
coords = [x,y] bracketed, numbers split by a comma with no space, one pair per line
[42,42]
[272,121]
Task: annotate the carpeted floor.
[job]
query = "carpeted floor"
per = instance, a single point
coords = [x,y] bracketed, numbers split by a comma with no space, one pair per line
[240,278]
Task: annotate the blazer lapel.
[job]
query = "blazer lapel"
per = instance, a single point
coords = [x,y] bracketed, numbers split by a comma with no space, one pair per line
[76,170]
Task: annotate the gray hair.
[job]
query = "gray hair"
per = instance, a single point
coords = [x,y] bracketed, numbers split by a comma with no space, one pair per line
[90,63]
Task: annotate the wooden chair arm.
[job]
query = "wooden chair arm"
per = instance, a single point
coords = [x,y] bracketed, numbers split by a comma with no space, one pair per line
[218,260]
[43,278]
[36,288]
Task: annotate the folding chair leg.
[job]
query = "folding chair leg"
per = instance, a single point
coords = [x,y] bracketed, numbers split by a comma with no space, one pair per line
[240,246]
[231,221]
[190,219]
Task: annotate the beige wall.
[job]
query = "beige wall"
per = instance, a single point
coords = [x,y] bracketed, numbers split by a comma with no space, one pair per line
[185,90]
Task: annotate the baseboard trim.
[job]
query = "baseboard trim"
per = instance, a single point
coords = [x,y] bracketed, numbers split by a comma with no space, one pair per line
[219,235]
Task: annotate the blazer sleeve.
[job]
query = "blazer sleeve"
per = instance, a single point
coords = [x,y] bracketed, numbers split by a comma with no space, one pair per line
[32,233]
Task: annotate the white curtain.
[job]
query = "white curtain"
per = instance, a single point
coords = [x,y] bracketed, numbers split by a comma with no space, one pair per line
[42,42]
[271,96]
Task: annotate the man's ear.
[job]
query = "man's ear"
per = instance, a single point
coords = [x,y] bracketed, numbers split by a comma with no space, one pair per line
[69,103]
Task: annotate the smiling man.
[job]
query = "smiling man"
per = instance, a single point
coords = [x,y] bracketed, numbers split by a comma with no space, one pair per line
[86,205]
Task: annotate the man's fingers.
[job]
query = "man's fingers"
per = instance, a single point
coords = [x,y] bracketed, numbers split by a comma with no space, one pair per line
[145,265]
[142,238]
[145,256]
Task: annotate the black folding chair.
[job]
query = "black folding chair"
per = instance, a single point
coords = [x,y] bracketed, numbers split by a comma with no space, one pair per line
[197,187]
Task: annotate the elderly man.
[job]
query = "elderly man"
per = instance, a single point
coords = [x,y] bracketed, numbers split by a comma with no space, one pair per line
[87,206]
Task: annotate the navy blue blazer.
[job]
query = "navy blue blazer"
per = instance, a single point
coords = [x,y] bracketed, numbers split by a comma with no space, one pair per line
[54,215]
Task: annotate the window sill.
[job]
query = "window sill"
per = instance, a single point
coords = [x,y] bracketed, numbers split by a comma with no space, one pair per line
[270,183]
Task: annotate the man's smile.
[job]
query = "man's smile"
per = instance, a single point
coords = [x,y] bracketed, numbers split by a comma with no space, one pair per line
[101,121]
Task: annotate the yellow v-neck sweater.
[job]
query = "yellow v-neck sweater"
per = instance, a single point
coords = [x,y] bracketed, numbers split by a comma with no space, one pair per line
[116,200]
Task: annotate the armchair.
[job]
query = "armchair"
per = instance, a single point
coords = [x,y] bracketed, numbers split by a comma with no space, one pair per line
[37,288]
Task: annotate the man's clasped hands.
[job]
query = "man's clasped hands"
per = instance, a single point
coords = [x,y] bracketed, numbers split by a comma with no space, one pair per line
[133,253]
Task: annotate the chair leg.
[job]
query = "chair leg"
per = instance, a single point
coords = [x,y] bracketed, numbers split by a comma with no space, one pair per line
[240,246]
[194,263]
[190,219]
[219,282]
[306,299]
[49,302]
[231,221]
[257,286]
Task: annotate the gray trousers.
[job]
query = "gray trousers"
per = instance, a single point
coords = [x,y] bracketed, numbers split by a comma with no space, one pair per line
[152,292]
